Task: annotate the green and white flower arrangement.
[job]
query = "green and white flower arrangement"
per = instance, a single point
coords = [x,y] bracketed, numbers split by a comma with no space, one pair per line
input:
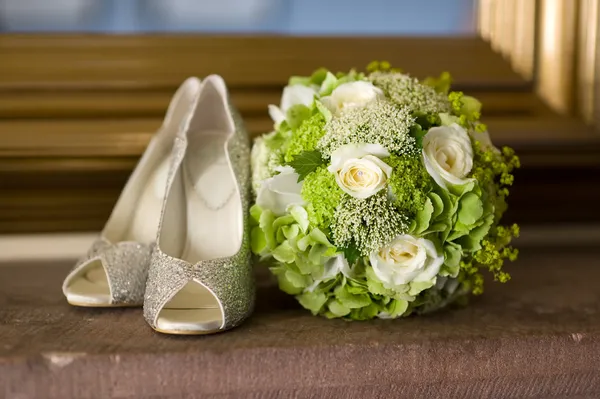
[379,195]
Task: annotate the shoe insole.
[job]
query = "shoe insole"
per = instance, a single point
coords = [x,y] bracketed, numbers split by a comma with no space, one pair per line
[90,287]
[193,308]
[214,226]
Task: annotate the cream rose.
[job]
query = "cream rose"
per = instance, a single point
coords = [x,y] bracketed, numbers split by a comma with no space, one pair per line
[292,95]
[351,95]
[406,259]
[358,169]
[448,155]
[280,191]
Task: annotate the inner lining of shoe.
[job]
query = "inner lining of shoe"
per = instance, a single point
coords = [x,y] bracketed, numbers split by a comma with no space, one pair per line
[193,308]
[89,287]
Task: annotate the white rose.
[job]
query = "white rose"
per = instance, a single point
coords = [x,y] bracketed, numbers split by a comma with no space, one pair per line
[448,155]
[292,95]
[358,169]
[351,95]
[280,191]
[406,259]
[483,138]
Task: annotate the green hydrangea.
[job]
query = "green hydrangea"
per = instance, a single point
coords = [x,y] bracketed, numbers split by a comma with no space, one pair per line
[306,136]
[378,122]
[406,91]
[322,194]
[367,224]
[409,182]
[300,251]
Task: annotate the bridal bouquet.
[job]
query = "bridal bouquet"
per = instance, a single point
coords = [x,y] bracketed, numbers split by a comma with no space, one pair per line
[379,195]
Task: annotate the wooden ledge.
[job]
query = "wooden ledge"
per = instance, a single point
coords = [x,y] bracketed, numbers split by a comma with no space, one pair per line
[538,336]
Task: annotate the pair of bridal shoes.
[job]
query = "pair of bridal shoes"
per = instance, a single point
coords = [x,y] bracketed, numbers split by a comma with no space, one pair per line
[177,241]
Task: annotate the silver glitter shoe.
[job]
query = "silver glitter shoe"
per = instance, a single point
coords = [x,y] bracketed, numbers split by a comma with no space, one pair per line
[200,279]
[115,269]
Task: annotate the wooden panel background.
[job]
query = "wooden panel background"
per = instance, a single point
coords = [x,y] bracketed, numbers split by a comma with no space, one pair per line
[76,112]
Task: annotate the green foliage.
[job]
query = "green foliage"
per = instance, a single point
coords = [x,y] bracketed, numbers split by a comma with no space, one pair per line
[440,84]
[306,136]
[306,163]
[300,251]
[409,182]
[322,194]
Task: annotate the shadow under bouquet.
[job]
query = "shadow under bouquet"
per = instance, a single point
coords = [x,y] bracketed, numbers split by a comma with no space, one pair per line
[379,195]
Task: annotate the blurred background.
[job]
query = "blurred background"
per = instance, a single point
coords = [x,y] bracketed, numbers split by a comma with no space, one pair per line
[285,17]
[85,83]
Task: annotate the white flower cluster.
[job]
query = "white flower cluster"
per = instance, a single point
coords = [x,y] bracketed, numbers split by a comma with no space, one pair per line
[407,91]
[378,122]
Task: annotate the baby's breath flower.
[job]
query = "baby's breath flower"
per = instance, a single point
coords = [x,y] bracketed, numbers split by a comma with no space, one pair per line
[404,90]
[380,122]
[367,224]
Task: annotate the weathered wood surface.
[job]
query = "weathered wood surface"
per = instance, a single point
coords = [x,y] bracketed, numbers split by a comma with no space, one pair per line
[537,337]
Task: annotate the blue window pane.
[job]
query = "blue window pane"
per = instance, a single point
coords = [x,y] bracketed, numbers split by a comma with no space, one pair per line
[286,17]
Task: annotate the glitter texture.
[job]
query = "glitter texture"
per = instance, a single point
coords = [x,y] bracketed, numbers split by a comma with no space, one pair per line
[126,265]
[230,279]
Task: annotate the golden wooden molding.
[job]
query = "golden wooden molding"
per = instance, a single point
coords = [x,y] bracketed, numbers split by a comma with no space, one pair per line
[588,61]
[509,27]
[554,42]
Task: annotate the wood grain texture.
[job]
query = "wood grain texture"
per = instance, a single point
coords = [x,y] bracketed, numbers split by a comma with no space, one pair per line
[87,61]
[536,337]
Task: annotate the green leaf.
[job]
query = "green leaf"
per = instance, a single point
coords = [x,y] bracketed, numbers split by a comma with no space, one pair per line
[284,283]
[319,237]
[290,232]
[470,209]
[396,307]
[306,163]
[471,107]
[448,119]
[328,84]
[365,313]
[452,255]
[266,224]
[316,253]
[318,76]
[350,300]
[312,301]
[423,217]
[356,289]
[418,133]
[296,114]
[417,286]
[255,212]
[297,280]
[351,254]
[338,309]
[299,80]
[300,216]
[438,205]
[258,240]
[284,253]
[324,111]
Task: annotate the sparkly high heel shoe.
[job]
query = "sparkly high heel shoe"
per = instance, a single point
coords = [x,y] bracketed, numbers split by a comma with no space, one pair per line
[114,271]
[200,279]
